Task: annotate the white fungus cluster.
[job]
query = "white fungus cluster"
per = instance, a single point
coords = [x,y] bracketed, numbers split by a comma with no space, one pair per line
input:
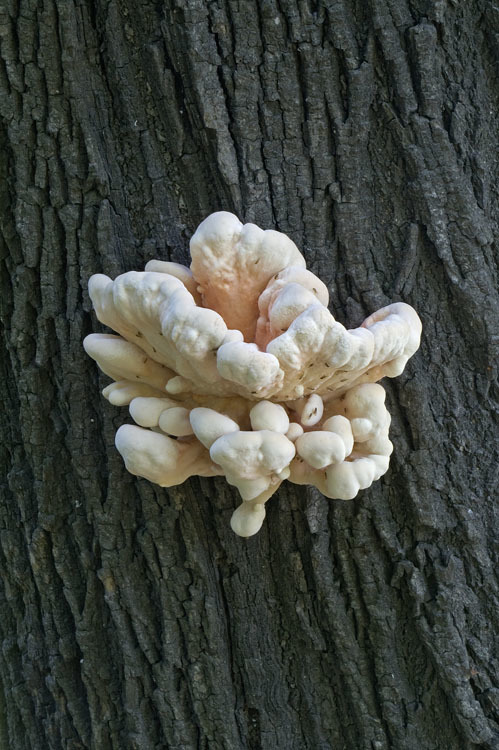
[236,367]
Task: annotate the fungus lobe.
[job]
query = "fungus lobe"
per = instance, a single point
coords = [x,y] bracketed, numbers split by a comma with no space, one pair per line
[236,367]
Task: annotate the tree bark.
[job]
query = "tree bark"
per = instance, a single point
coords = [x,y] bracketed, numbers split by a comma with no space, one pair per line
[132,616]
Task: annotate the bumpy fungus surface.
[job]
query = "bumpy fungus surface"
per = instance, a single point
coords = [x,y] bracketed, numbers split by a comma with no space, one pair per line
[236,367]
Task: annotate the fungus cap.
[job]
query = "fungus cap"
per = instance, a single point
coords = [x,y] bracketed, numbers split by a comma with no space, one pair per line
[146,411]
[208,425]
[342,427]
[249,455]
[268,416]
[214,359]
[247,519]
[294,431]
[321,448]
[175,421]
[234,261]
[161,459]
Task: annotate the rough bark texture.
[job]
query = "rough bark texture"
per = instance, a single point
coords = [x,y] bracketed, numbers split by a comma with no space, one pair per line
[132,617]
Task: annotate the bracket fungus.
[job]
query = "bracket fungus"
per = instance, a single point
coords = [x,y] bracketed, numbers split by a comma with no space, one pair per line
[236,367]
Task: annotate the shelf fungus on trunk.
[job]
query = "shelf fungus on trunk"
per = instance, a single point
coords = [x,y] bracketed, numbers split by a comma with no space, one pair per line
[236,367]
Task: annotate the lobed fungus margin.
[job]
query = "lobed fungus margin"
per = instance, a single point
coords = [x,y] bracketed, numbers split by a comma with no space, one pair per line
[236,367]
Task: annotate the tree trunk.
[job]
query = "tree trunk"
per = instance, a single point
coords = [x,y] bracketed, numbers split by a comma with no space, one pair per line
[132,616]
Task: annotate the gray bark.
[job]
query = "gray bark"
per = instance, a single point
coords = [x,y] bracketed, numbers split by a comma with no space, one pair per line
[131,616]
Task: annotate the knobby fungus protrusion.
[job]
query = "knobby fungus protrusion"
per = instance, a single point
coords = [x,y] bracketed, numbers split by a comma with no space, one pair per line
[236,367]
